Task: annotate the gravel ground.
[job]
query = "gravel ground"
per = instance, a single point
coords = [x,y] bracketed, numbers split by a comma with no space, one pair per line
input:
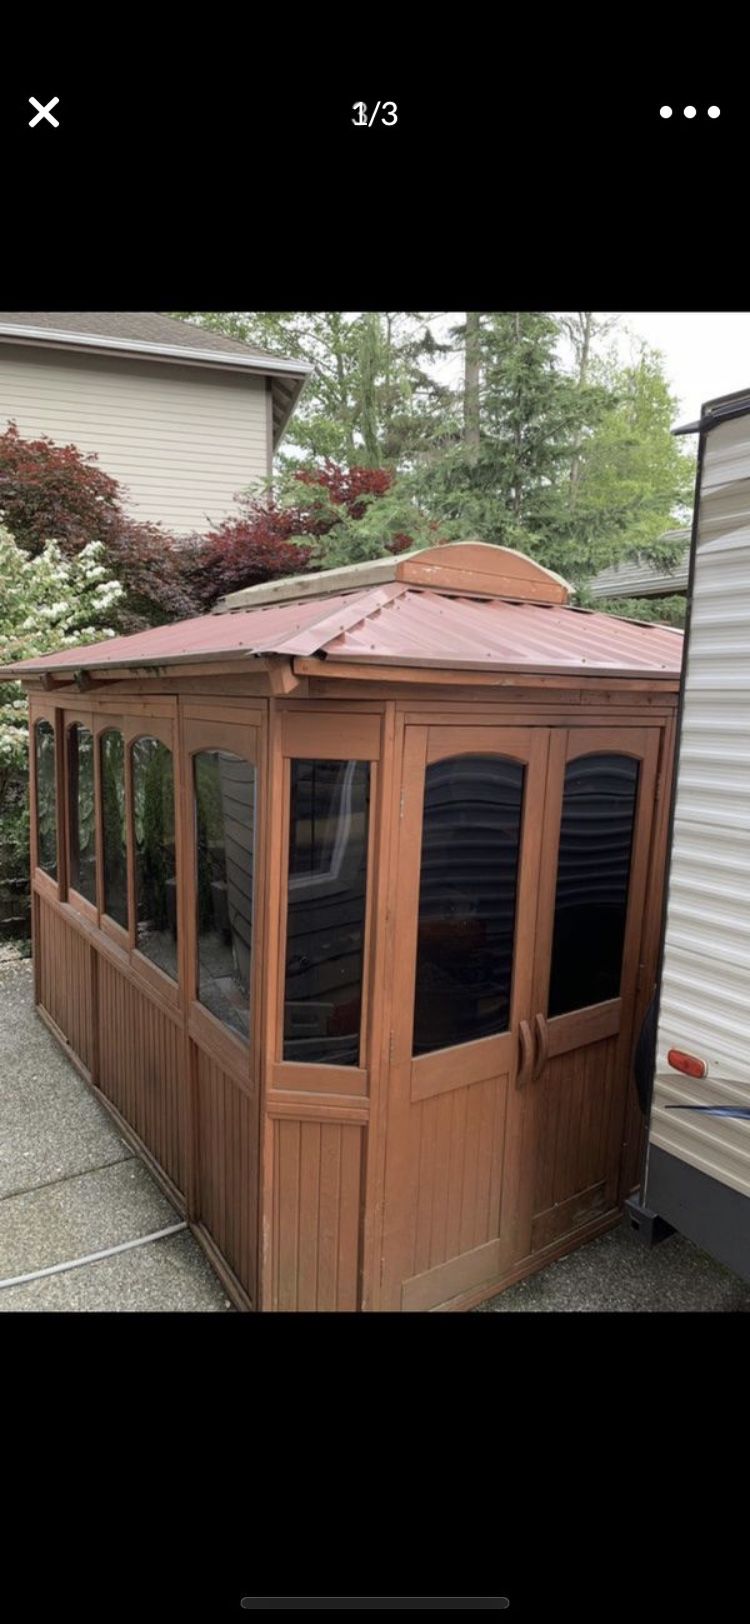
[618,1273]
[69,1186]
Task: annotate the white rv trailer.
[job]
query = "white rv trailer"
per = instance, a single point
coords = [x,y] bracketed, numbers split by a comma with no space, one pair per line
[698,1157]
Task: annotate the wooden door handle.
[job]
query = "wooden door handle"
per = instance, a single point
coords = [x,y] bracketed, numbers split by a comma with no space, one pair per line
[527,1049]
[542,1038]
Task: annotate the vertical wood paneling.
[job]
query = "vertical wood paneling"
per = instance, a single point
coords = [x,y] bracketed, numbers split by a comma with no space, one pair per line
[318,1191]
[65,971]
[227,1173]
[458,1188]
[574,1117]
[140,1068]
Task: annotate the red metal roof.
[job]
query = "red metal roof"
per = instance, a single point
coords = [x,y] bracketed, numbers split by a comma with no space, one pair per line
[393,625]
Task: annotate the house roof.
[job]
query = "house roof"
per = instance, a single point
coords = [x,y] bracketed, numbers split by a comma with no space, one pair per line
[149,335]
[634,578]
[404,623]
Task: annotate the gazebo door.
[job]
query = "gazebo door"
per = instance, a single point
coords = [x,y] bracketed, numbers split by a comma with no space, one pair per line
[463,976]
[601,787]
[521,883]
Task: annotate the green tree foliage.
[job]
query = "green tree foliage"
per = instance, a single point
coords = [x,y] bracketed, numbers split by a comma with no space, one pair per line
[511,488]
[575,465]
[544,439]
[373,398]
[634,477]
[669,611]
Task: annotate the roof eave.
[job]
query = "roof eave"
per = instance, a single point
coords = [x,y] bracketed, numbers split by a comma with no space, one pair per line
[141,349]
[290,407]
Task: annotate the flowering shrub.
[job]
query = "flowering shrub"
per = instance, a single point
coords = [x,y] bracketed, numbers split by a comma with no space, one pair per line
[317,516]
[49,491]
[46,603]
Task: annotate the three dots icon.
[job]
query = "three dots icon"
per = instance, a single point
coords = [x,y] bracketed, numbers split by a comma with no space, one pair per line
[689,112]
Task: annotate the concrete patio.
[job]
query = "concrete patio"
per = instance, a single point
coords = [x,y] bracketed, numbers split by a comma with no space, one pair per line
[70,1186]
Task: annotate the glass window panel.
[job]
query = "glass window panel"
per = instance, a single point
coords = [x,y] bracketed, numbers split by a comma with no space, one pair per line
[326,910]
[155,869]
[225,836]
[82,812]
[467,899]
[593,874]
[114,826]
[46,799]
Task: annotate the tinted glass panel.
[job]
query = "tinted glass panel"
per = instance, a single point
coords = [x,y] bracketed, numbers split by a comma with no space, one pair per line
[593,874]
[155,881]
[467,899]
[114,839]
[46,802]
[326,911]
[225,824]
[81,808]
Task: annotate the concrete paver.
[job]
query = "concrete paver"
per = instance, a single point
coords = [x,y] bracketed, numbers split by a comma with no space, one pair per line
[50,1125]
[79,1215]
[70,1186]
[168,1276]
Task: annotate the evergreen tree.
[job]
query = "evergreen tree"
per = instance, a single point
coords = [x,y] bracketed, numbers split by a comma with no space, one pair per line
[568,457]
[372,399]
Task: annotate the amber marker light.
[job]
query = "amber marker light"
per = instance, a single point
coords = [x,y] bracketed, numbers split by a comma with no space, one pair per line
[687,1063]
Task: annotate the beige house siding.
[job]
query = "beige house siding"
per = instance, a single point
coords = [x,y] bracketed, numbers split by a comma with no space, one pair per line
[182,440]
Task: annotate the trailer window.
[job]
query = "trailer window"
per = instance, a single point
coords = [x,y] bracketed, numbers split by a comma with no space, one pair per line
[82,812]
[224,846]
[155,866]
[593,875]
[467,899]
[114,837]
[328,836]
[46,799]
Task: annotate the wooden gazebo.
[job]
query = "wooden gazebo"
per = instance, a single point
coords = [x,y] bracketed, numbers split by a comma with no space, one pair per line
[346,904]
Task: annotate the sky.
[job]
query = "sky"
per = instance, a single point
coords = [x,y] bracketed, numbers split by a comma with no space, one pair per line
[707,353]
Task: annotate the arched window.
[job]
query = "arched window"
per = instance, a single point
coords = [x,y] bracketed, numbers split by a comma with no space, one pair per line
[467,899]
[82,812]
[155,864]
[224,787]
[593,875]
[46,799]
[114,830]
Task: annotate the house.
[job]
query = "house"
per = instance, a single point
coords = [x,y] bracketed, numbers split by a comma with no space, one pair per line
[636,578]
[184,418]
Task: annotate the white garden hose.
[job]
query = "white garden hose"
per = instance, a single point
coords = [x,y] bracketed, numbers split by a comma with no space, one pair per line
[93,1257]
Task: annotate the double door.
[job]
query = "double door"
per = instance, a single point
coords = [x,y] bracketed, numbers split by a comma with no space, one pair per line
[521,883]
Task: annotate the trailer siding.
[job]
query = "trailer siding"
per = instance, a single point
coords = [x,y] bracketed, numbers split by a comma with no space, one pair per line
[705,1008]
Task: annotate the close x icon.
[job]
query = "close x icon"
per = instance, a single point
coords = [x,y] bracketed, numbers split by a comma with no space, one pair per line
[43,112]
